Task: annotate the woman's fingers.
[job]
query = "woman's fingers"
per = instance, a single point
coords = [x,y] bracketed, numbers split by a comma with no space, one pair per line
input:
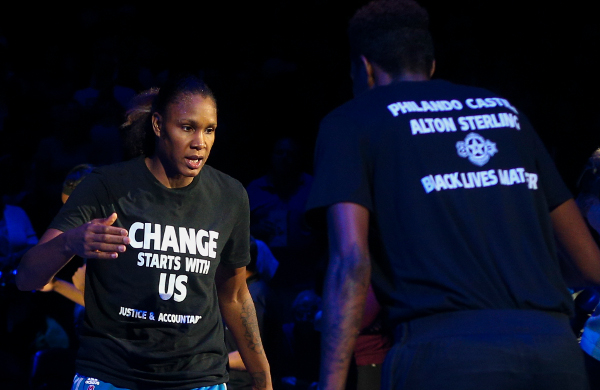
[100,240]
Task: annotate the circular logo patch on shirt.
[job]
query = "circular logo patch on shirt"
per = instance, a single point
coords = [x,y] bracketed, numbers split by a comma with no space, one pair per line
[476,148]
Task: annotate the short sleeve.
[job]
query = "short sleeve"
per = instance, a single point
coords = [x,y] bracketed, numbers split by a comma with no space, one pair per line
[236,252]
[83,205]
[341,167]
[553,186]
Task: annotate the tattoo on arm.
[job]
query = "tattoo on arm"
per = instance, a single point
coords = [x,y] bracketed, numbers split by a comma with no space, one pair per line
[250,323]
[260,380]
[345,334]
[343,308]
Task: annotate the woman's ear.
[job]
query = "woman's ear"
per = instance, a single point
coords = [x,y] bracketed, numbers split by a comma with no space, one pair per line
[156,123]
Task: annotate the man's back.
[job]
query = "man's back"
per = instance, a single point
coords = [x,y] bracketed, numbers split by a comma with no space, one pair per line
[444,198]
[459,188]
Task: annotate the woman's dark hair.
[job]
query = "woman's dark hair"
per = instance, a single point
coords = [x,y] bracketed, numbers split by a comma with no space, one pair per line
[138,136]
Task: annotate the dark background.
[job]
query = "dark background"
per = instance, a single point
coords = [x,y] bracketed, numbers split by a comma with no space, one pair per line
[277,67]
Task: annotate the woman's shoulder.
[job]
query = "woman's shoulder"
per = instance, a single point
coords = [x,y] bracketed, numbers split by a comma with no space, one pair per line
[133,165]
[219,178]
[127,172]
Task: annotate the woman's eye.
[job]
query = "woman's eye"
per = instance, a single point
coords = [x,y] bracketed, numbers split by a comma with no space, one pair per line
[209,130]
[187,128]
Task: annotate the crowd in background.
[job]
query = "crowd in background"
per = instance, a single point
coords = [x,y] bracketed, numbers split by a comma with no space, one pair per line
[276,68]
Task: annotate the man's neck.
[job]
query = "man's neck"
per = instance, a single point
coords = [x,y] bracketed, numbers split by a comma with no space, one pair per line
[382,78]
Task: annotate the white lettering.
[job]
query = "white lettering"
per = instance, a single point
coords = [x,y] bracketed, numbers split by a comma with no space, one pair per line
[187,240]
[202,247]
[532,179]
[132,232]
[151,236]
[199,266]
[489,121]
[431,125]
[181,288]
[133,313]
[479,103]
[212,246]
[425,106]
[181,240]
[175,282]
[428,183]
[416,127]
[479,179]
[140,259]
[170,239]
[178,318]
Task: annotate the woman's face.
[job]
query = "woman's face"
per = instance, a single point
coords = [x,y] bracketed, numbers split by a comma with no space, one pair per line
[185,135]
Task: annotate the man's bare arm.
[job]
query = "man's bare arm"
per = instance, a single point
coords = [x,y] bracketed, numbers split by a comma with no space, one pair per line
[346,285]
[576,241]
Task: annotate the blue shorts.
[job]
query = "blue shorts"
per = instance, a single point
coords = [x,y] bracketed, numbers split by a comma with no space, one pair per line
[87,383]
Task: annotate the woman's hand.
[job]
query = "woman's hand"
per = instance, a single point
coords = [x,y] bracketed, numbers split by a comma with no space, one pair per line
[97,239]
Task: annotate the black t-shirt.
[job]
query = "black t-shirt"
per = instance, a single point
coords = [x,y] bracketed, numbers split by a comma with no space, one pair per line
[152,318]
[459,189]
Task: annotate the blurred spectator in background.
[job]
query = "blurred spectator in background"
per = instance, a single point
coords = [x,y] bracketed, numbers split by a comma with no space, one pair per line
[586,300]
[53,366]
[277,202]
[18,321]
[299,357]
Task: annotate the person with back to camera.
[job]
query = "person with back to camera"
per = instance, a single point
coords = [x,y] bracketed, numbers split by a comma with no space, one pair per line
[166,238]
[444,197]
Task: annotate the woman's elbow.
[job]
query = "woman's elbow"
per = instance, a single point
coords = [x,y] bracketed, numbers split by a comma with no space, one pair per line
[24,283]
[26,280]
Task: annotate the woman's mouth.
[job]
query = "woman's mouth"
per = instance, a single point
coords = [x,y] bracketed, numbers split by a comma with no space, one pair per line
[194,162]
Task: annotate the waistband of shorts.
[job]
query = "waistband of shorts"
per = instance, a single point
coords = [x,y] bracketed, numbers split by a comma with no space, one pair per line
[470,322]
